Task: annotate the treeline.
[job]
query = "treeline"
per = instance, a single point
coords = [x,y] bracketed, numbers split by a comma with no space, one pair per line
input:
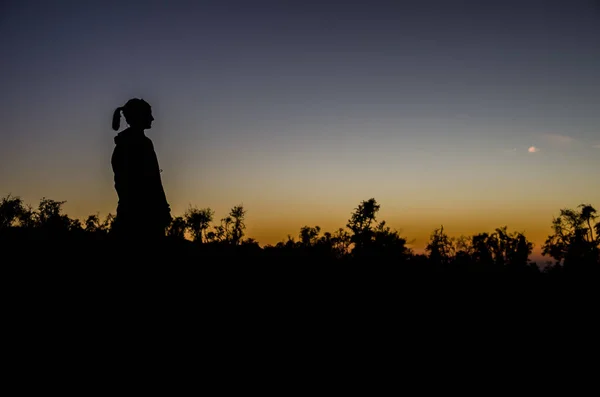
[45,232]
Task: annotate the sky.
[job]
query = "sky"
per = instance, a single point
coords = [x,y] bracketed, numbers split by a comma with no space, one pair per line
[467,114]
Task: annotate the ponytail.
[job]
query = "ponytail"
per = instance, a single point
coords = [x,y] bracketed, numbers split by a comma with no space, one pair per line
[116,121]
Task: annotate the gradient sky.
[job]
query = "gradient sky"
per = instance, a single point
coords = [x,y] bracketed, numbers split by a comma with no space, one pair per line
[470,114]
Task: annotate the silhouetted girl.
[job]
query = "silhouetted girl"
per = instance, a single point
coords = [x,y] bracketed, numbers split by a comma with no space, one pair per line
[143,210]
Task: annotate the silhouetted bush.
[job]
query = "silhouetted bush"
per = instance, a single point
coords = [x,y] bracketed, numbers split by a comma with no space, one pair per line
[45,235]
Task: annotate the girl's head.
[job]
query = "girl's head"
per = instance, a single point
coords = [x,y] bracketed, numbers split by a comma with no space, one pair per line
[137,112]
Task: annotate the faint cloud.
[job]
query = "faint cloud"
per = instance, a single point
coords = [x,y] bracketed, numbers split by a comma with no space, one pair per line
[596,146]
[533,149]
[558,140]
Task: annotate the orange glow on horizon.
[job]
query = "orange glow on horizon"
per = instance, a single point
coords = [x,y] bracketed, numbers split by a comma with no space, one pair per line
[269,225]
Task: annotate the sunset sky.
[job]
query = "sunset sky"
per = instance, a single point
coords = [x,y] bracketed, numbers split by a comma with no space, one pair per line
[470,114]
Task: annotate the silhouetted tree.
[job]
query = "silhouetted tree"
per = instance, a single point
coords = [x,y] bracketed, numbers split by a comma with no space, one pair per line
[218,234]
[250,242]
[372,239]
[108,222]
[11,209]
[93,224]
[361,224]
[290,243]
[463,245]
[226,228]
[588,215]
[573,242]
[237,216]
[518,249]
[177,228]
[309,235]
[28,217]
[340,243]
[231,229]
[441,248]
[388,244]
[510,249]
[198,221]
[49,215]
[74,225]
[482,249]
[501,249]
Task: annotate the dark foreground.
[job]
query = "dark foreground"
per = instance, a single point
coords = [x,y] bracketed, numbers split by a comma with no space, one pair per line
[89,261]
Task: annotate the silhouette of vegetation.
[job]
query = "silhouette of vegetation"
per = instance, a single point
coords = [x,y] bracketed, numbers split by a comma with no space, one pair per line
[575,241]
[47,234]
[197,221]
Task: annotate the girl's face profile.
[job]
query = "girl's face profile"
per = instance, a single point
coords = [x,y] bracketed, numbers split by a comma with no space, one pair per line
[147,118]
[142,118]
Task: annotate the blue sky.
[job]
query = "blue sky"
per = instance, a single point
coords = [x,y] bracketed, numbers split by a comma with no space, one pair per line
[300,110]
